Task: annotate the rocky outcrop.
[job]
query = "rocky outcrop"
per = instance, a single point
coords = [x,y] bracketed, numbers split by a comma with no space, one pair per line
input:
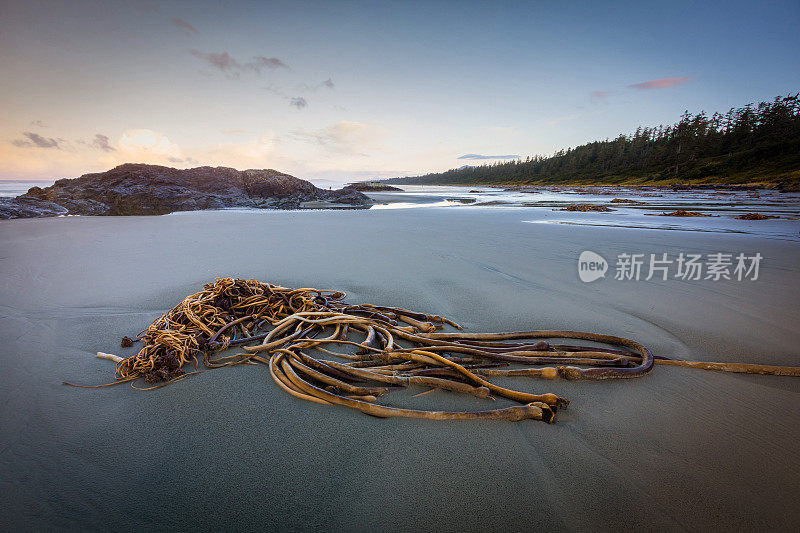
[139,189]
[370,187]
[22,207]
[587,207]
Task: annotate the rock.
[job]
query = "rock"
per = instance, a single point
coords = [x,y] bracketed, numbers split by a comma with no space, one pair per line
[682,213]
[370,187]
[521,188]
[711,187]
[139,189]
[755,216]
[626,201]
[21,207]
[345,196]
[788,187]
[587,207]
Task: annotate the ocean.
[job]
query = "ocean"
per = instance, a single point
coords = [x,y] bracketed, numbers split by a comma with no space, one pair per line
[17,187]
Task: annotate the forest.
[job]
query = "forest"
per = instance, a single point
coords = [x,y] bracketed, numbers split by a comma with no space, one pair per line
[758,144]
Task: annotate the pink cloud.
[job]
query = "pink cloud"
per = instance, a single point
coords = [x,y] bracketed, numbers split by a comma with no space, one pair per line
[185,26]
[660,83]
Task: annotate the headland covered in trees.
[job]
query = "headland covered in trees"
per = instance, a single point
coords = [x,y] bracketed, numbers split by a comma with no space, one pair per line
[753,144]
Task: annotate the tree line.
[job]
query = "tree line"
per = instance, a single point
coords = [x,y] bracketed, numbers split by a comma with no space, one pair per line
[753,143]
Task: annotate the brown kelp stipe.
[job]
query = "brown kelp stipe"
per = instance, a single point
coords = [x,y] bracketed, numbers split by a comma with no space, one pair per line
[381,349]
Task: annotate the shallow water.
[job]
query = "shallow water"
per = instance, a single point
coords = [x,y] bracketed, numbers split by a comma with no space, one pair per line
[546,204]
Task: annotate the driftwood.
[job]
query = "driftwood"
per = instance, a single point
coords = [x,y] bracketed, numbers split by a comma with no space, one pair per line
[110,357]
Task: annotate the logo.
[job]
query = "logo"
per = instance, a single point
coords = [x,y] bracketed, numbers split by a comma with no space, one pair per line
[591,266]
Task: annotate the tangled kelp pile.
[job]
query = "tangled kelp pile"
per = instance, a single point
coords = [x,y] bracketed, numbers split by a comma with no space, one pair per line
[386,348]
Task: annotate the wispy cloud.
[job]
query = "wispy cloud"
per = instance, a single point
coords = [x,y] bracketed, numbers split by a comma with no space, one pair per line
[299,102]
[343,136]
[599,96]
[260,62]
[147,145]
[234,132]
[479,156]
[223,61]
[37,141]
[660,83]
[101,143]
[38,124]
[233,68]
[327,84]
[187,28]
[189,160]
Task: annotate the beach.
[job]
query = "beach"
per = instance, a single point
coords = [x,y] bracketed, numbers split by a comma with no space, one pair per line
[677,449]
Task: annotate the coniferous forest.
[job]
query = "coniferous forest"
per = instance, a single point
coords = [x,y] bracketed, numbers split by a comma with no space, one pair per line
[751,144]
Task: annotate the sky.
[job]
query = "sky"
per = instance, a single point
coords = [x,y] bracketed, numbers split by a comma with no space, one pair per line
[339,91]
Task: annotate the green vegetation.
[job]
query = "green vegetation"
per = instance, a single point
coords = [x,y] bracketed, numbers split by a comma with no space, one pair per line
[752,144]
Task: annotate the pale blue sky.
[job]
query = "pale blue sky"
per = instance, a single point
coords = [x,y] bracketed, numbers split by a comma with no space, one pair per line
[413,85]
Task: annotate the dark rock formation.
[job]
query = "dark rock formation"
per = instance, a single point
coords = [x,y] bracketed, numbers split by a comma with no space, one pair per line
[139,189]
[22,207]
[684,213]
[626,201]
[587,207]
[755,216]
[370,187]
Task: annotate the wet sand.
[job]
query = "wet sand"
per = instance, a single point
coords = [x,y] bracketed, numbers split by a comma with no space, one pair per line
[676,449]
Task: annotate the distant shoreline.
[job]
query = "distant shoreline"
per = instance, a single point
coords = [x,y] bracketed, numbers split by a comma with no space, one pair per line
[782,185]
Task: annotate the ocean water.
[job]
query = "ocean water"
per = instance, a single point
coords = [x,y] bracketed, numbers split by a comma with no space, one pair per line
[545,205]
[17,187]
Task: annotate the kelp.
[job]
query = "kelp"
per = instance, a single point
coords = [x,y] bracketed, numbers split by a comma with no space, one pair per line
[377,350]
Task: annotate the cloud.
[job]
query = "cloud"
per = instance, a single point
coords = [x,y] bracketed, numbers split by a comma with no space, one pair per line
[268,62]
[599,96]
[38,124]
[101,143]
[233,68]
[327,84]
[479,156]
[222,61]
[256,152]
[344,136]
[660,83]
[187,28]
[299,102]
[234,132]
[189,160]
[147,146]
[36,140]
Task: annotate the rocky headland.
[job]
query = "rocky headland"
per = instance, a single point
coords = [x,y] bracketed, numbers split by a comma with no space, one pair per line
[370,187]
[140,189]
